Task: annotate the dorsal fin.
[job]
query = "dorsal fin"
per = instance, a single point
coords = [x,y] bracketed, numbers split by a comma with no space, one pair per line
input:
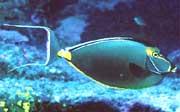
[146,42]
[96,41]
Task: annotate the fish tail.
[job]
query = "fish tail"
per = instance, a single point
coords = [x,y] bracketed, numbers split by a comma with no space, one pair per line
[52,45]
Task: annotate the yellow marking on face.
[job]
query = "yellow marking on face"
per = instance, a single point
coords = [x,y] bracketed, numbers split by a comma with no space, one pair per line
[149,51]
[153,53]
[65,54]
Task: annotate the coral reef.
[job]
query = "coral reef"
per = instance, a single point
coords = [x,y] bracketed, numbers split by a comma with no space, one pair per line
[71,29]
[12,36]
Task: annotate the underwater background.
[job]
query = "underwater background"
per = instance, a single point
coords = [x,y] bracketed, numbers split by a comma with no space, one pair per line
[60,88]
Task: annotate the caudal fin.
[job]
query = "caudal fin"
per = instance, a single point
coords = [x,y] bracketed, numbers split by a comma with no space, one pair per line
[52,45]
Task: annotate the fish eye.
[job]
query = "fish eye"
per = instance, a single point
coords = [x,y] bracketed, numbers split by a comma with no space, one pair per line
[155,54]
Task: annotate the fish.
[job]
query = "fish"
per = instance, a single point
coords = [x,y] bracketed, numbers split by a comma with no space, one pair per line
[119,62]
[115,62]
[138,20]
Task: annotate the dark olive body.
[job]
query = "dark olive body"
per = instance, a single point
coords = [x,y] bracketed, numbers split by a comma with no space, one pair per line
[117,63]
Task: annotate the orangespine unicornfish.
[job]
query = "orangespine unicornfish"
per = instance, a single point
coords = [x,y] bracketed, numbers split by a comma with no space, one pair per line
[117,62]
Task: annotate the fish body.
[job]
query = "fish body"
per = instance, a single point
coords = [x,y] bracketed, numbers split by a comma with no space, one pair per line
[118,62]
[139,21]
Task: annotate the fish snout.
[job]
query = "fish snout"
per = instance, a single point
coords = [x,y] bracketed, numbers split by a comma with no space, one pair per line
[160,66]
[174,69]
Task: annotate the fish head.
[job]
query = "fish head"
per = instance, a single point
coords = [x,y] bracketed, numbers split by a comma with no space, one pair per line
[157,63]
